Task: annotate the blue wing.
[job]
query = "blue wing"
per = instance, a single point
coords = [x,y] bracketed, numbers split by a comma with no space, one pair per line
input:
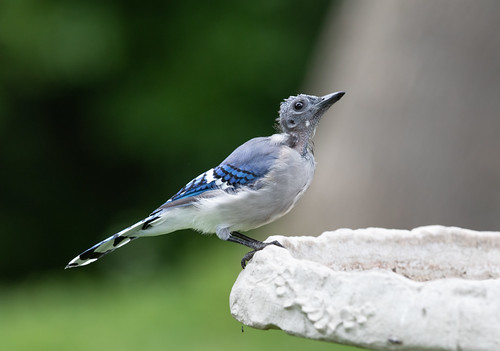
[243,167]
[225,176]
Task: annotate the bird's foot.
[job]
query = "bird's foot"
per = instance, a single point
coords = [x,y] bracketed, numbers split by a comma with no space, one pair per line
[249,255]
[256,245]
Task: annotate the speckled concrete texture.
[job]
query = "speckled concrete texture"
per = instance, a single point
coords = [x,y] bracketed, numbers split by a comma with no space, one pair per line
[429,288]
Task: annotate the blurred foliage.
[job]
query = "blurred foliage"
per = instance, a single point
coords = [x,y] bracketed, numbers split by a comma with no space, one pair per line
[107,108]
[173,310]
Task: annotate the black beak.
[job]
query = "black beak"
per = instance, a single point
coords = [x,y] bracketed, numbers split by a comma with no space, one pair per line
[330,99]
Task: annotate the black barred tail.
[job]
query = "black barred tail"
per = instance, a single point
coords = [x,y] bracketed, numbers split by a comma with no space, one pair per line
[106,246]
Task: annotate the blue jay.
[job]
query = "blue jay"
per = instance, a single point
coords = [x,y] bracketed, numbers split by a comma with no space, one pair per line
[256,184]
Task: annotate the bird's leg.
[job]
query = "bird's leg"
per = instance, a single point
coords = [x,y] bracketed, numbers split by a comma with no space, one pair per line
[255,245]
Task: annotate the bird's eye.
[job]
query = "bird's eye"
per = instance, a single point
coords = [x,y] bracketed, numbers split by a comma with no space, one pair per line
[298,105]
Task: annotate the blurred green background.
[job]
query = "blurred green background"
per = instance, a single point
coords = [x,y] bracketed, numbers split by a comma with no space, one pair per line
[107,108]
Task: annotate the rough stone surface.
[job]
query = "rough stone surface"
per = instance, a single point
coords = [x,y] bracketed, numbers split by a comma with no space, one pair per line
[431,288]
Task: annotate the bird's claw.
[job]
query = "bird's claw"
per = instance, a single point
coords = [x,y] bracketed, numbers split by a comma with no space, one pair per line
[249,255]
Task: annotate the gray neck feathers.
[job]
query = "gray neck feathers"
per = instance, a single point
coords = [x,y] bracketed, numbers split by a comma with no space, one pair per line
[301,142]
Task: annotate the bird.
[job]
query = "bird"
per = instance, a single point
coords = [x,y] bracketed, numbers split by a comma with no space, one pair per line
[259,182]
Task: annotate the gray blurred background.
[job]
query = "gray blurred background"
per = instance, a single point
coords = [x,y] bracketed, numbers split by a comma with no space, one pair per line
[416,139]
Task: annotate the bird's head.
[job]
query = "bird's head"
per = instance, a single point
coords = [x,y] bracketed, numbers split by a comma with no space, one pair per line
[301,114]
